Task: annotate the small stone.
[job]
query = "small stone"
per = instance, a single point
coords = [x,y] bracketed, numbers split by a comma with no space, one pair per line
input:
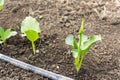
[67,24]
[37,51]
[57,67]
[40,17]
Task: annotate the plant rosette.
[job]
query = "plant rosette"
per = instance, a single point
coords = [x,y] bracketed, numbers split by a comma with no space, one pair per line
[6,34]
[81,47]
[30,28]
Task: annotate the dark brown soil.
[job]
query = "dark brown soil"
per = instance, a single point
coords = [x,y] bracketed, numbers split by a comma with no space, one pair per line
[60,18]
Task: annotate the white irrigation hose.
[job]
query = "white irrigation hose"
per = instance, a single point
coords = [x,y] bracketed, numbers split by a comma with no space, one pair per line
[32,68]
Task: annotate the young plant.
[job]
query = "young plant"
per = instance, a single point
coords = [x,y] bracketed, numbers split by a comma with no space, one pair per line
[4,35]
[81,47]
[1,4]
[30,28]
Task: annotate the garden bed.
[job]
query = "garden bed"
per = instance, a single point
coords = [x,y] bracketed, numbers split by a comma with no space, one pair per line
[59,18]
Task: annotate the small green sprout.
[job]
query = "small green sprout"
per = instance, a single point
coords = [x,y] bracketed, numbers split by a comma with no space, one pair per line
[30,28]
[1,4]
[4,35]
[81,47]
[32,36]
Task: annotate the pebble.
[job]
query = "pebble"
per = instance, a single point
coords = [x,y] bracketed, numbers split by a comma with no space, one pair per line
[57,67]
[37,51]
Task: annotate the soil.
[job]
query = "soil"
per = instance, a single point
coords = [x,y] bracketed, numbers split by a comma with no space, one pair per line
[57,19]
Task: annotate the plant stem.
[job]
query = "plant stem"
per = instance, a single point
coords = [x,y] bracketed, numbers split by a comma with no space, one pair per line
[81,60]
[78,62]
[33,46]
[78,59]
[82,26]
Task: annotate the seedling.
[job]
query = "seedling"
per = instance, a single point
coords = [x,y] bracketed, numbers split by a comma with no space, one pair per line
[81,47]
[30,28]
[1,4]
[4,35]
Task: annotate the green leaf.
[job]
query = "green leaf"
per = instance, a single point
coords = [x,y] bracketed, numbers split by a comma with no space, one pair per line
[32,35]
[84,38]
[90,41]
[6,34]
[1,4]
[13,33]
[75,44]
[75,53]
[83,52]
[69,39]
[1,31]
[1,42]
[30,23]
